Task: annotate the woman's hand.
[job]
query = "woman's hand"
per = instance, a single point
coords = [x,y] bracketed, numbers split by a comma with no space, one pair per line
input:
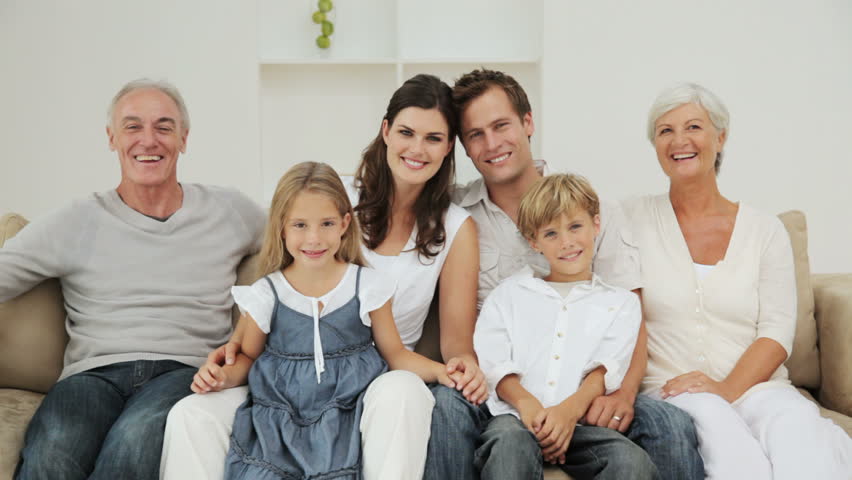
[226,354]
[695,382]
[472,382]
[210,378]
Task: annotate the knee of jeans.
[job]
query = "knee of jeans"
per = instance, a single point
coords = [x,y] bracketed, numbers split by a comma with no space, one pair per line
[633,462]
[662,418]
[518,440]
[398,390]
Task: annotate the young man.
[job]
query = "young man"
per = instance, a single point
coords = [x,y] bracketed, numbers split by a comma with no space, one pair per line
[496,126]
[549,345]
[145,270]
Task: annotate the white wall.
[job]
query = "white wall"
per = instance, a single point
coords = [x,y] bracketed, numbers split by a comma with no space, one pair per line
[62,63]
[783,68]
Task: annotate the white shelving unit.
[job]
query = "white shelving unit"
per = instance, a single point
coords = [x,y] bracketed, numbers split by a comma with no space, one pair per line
[327,105]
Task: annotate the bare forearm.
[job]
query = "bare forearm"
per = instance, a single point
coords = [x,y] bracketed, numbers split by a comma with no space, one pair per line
[510,390]
[638,363]
[591,388]
[237,374]
[423,367]
[756,365]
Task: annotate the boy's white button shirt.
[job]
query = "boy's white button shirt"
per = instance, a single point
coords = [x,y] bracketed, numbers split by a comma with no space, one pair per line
[527,328]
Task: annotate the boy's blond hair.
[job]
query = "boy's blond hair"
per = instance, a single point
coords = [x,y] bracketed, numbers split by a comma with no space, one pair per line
[312,177]
[553,195]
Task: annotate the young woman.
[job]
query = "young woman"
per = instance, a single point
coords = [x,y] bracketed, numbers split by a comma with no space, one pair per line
[419,241]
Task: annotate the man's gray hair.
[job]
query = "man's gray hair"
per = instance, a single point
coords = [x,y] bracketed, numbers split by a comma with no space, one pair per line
[683,93]
[146,83]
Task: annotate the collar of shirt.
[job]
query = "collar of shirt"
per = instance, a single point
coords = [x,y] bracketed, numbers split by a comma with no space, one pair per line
[476,191]
[531,280]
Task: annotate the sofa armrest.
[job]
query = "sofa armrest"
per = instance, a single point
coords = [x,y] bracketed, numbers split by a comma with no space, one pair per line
[833,298]
[32,329]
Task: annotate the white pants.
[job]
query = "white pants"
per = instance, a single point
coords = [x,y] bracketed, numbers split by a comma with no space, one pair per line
[395,429]
[772,434]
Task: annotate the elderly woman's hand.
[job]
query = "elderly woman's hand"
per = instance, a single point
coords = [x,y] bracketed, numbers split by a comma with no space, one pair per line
[695,382]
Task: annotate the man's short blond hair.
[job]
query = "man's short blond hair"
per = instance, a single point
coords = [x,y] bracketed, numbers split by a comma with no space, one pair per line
[553,195]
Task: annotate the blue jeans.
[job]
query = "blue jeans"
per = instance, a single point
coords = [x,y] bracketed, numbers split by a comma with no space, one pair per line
[104,423]
[668,435]
[510,451]
[456,424]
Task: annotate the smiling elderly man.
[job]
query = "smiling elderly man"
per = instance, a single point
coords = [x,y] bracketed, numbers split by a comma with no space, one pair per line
[145,271]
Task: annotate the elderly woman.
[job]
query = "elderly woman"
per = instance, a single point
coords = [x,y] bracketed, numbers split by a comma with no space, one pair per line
[720,301]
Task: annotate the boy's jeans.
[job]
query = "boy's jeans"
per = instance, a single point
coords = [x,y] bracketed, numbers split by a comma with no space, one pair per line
[664,431]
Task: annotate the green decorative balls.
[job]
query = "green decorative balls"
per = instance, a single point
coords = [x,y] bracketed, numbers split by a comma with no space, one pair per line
[320,17]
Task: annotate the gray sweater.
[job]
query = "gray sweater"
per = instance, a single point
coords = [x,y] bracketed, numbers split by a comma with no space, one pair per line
[136,288]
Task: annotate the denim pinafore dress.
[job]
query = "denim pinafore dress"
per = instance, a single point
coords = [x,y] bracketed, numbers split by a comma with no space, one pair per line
[291,426]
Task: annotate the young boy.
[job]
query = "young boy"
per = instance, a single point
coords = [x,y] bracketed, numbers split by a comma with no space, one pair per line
[549,346]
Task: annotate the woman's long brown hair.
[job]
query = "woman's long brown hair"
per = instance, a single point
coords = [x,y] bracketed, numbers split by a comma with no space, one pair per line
[375,183]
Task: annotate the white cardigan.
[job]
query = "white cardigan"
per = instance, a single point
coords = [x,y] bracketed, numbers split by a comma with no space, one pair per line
[707,324]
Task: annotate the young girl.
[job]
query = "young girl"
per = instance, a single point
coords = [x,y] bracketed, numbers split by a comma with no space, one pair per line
[307,348]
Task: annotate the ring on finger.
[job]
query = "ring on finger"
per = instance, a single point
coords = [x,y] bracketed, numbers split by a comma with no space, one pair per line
[616,418]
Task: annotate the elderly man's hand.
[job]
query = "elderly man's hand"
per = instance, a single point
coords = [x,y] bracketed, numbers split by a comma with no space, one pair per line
[226,354]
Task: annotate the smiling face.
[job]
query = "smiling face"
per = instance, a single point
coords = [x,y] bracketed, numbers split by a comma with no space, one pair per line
[496,138]
[568,244]
[687,143]
[417,142]
[147,132]
[313,230]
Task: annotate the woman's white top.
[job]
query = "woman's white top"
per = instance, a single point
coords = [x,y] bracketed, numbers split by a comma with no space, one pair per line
[707,322]
[414,277]
[259,301]
[702,270]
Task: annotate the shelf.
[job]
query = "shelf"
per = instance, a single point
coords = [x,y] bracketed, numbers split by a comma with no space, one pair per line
[328,61]
[327,105]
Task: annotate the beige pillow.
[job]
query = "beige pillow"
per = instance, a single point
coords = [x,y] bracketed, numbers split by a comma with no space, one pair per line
[32,329]
[803,363]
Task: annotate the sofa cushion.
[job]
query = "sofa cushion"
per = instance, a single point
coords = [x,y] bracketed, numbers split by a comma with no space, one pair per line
[34,318]
[16,409]
[803,363]
[834,317]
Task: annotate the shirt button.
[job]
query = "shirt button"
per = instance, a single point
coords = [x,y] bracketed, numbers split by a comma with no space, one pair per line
[701,358]
[564,308]
[611,309]
[556,357]
[559,334]
[551,383]
[697,290]
[697,309]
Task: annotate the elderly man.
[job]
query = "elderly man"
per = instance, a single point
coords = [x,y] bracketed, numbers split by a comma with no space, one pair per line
[145,271]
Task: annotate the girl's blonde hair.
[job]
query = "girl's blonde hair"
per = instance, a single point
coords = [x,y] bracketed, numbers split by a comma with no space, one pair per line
[312,177]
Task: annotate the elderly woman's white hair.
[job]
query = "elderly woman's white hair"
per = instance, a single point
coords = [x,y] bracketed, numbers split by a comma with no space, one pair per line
[683,93]
[143,84]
